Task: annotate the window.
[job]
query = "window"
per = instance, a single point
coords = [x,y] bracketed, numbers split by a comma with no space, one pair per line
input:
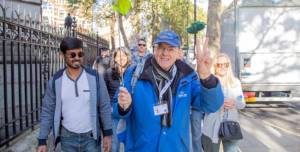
[45,18]
[61,14]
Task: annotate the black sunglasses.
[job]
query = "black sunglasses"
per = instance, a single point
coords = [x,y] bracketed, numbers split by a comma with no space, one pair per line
[142,44]
[73,54]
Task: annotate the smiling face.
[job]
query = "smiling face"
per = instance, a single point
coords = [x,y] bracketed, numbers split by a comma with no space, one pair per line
[166,55]
[124,58]
[73,58]
[221,66]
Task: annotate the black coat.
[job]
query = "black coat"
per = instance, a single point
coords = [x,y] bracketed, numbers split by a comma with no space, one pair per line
[112,83]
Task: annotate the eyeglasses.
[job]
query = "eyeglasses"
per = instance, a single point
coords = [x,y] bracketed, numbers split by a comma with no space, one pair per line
[220,65]
[142,44]
[73,54]
[170,49]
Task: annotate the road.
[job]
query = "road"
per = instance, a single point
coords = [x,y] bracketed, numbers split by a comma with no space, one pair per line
[271,128]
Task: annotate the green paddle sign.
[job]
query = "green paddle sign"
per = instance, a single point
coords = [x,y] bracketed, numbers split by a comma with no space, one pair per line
[123,6]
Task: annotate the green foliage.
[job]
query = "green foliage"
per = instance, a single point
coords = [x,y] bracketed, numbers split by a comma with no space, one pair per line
[163,15]
[86,5]
[149,16]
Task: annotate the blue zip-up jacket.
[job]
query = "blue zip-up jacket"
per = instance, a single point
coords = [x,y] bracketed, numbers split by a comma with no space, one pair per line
[144,131]
[99,104]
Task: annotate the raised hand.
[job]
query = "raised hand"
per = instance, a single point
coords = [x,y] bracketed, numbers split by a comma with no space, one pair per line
[203,59]
[124,98]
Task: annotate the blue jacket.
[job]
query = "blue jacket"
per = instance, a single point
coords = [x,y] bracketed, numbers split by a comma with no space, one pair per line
[51,108]
[144,131]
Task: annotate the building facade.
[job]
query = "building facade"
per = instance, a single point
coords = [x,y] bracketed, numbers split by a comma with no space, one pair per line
[54,13]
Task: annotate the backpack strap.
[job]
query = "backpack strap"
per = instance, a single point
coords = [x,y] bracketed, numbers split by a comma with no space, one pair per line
[136,74]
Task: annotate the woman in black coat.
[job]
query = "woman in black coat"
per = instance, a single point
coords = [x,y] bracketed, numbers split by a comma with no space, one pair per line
[112,79]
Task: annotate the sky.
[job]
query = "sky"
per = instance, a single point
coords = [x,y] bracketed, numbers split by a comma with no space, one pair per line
[204,3]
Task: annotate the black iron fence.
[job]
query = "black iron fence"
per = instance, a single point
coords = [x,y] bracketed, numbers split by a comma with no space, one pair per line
[29,56]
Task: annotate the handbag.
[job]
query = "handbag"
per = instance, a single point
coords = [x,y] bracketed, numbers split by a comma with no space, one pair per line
[230,130]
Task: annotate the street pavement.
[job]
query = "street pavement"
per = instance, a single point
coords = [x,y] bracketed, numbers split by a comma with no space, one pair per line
[270,129]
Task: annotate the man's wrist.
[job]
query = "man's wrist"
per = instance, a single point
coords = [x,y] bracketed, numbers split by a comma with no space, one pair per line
[42,142]
[204,76]
[107,132]
[209,82]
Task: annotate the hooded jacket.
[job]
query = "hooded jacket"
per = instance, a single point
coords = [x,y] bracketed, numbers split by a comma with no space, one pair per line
[144,131]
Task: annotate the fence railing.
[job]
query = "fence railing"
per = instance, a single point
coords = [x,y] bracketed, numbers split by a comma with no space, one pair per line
[29,56]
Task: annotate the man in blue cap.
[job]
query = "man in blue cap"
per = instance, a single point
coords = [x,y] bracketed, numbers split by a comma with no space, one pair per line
[158,113]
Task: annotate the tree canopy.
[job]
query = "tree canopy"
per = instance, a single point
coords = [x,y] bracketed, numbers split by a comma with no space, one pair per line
[149,17]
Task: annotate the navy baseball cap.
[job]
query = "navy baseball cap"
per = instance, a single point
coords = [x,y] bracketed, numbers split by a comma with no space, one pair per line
[169,37]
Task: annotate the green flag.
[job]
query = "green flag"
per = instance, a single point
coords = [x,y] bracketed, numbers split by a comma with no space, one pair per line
[123,6]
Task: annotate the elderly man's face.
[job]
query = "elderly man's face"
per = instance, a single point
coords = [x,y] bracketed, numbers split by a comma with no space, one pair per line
[166,55]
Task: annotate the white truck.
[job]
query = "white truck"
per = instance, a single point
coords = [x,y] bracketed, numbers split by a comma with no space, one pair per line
[267,50]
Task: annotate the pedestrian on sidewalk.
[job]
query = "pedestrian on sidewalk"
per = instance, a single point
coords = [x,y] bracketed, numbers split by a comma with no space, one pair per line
[112,79]
[142,53]
[158,113]
[102,62]
[76,105]
[233,100]
[68,24]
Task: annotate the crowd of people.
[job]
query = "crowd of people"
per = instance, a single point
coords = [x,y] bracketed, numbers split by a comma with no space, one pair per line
[147,101]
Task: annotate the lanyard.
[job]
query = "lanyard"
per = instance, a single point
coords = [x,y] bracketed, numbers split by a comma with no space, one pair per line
[168,84]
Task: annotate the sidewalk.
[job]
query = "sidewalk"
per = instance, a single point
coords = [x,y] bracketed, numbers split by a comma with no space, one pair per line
[260,136]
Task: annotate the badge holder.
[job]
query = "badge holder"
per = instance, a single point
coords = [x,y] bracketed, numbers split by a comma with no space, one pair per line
[160,109]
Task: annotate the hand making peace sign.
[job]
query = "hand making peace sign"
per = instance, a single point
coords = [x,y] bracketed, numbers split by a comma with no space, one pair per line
[203,60]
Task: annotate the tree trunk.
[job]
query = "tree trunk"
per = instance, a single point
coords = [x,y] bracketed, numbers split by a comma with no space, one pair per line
[112,31]
[213,30]
[123,31]
[152,23]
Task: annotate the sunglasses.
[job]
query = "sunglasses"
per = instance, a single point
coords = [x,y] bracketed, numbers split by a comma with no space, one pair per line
[142,44]
[73,54]
[219,65]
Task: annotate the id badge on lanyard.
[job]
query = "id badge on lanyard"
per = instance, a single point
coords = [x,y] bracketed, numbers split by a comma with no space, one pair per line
[160,109]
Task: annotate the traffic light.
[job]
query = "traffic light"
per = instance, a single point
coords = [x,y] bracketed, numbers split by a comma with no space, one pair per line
[195,27]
